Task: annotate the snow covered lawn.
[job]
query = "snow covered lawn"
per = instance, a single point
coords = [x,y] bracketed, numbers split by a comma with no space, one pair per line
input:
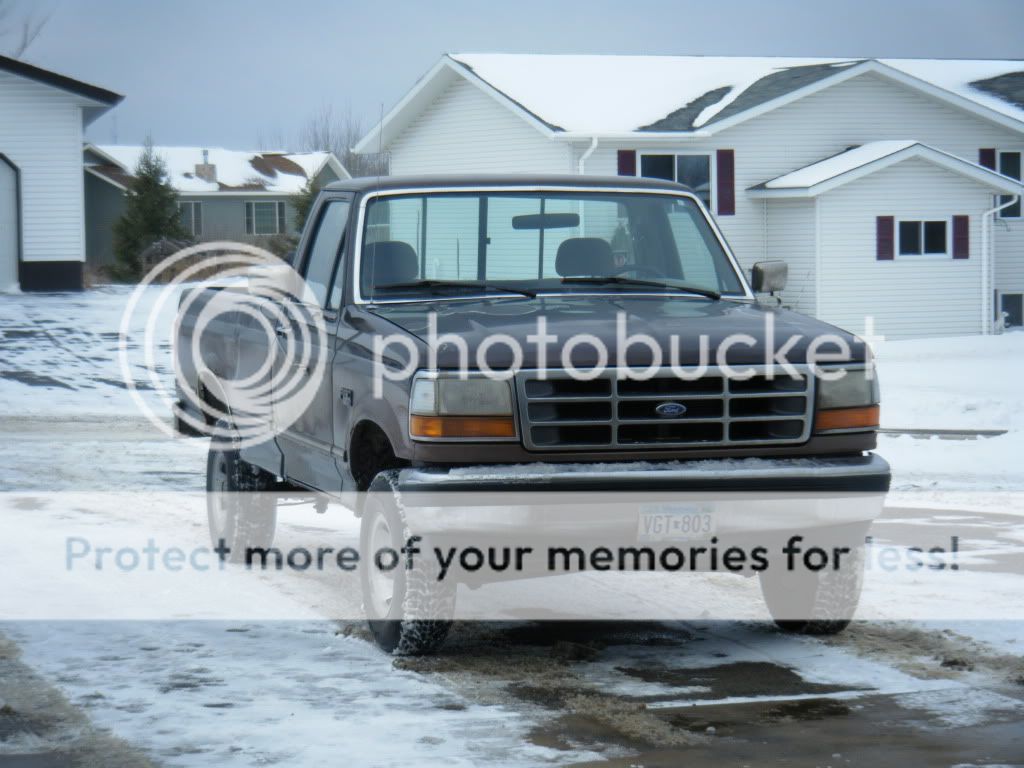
[969,382]
[59,352]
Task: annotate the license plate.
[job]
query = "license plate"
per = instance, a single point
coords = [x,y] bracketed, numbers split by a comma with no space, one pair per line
[675,522]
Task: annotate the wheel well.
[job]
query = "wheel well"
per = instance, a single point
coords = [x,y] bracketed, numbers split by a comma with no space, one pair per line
[370,453]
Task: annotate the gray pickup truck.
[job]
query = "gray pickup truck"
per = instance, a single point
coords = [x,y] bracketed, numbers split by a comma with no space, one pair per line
[431,371]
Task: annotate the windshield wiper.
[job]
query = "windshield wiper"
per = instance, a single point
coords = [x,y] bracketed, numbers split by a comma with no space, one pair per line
[432,283]
[619,280]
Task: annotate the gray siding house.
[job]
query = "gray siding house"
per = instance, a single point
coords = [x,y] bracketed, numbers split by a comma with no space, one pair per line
[223,194]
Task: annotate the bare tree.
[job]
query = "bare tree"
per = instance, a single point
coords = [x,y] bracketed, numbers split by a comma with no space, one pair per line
[25,28]
[326,132]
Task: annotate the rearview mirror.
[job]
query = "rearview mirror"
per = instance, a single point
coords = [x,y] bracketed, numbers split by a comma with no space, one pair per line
[545,220]
[769,276]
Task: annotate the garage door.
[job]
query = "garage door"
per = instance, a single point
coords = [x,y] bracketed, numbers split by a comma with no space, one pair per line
[8,226]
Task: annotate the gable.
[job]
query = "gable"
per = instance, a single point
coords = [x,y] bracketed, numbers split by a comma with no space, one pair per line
[863,109]
[465,130]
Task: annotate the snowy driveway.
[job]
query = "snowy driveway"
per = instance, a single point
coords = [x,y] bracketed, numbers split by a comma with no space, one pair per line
[308,692]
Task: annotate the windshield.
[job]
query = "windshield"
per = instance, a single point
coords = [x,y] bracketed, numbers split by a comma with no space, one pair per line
[449,244]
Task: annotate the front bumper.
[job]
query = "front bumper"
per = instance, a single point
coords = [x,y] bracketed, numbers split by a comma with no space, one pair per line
[608,500]
[851,474]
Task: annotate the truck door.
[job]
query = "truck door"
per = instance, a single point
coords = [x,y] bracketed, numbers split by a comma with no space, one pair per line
[307,441]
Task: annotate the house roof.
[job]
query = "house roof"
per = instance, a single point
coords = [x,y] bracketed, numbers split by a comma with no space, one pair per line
[576,96]
[65,83]
[113,174]
[857,162]
[236,171]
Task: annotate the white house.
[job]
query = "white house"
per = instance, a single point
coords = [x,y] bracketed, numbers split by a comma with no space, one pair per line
[42,229]
[223,194]
[876,180]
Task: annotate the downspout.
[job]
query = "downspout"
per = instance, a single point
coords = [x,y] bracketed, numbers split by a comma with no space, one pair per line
[817,257]
[583,158]
[987,259]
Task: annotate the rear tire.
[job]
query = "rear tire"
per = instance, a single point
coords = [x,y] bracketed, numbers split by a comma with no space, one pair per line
[408,609]
[821,603]
[241,513]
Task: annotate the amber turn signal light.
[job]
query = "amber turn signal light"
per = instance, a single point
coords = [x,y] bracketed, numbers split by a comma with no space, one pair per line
[462,426]
[865,417]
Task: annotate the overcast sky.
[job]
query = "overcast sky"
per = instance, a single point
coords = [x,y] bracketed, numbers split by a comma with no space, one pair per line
[239,74]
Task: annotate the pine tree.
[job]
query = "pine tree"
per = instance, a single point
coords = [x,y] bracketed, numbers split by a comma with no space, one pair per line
[303,202]
[151,213]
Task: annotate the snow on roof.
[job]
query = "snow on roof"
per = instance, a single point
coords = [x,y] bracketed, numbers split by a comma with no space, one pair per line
[270,171]
[837,165]
[857,161]
[614,94]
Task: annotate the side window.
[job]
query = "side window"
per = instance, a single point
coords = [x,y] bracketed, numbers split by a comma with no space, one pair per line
[323,254]
[695,257]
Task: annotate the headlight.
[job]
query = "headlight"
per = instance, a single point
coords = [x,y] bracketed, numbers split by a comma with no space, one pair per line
[857,387]
[849,402]
[473,408]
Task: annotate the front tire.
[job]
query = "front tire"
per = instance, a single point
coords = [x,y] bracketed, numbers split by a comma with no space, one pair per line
[242,515]
[821,603]
[408,609]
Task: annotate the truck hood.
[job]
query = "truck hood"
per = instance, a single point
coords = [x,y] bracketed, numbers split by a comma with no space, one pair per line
[658,317]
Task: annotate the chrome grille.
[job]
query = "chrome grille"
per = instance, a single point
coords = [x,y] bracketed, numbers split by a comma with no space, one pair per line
[559,412]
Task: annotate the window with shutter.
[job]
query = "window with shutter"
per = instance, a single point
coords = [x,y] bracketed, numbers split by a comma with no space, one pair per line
[692,169]
[922,238]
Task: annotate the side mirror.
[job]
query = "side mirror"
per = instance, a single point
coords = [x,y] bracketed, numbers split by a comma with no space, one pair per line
[769,276]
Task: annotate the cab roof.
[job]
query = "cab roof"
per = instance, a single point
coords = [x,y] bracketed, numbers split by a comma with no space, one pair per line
[365,184]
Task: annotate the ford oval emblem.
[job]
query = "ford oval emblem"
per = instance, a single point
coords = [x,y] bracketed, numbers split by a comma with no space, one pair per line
[670,410]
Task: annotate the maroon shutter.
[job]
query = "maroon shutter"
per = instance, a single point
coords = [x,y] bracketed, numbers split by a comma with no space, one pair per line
[726,171]
[627,162]
[961,237]
[885,238]
[987,158]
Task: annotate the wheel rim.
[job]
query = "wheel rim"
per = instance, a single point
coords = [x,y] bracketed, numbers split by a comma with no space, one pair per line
[381,582]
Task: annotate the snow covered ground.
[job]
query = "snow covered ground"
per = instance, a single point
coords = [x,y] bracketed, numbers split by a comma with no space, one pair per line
[59,352]
[309,691]
[969,382]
